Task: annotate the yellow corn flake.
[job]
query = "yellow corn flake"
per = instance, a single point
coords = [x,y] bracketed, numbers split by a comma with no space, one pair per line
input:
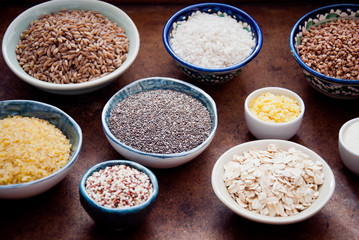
[274,108]
[30,149]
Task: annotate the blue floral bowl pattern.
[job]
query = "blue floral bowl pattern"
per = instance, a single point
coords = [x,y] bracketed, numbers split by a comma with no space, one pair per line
[152,159]
[329,86]
[62,121]
[212,75]
[117,218]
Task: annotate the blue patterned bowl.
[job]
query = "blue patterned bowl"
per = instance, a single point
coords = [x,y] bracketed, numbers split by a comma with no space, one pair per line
[152,159]
[332,87]
[62,121]
[212,75]
[117,218]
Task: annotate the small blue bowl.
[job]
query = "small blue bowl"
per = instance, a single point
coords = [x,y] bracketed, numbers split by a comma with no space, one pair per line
[329,86]
[117,218]
[212,75]
[154,160]
[68,126]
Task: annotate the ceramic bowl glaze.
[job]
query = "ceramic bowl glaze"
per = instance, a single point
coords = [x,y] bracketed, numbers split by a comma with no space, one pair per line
[264,130]
[68,126]
[326,190]
[117,218]
[212,75]
[349,156]
[151,159]
[329,86]
[20,23]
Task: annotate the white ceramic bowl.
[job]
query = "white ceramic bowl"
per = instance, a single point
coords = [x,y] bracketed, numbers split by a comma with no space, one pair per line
[20,23]
[348,153]
[151,159]
[325,191]
[62,121]
[264,130]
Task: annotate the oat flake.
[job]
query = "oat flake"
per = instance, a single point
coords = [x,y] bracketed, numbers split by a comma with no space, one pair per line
[273,182]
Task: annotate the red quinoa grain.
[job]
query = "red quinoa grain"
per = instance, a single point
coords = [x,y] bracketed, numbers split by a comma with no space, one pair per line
[119,186]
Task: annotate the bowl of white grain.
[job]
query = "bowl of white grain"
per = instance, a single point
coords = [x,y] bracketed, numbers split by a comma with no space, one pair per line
[71,46]
[273,181]
[348,140]
[211,42]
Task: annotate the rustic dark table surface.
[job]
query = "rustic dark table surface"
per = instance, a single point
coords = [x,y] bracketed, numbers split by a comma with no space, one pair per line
[186,207]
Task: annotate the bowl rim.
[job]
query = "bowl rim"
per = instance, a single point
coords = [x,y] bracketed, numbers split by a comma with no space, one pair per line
[107,108]
[256,217]
[341,136]
[289,93]
[135,44]
[255,29]
[296,55]
[109,163]
[70,162]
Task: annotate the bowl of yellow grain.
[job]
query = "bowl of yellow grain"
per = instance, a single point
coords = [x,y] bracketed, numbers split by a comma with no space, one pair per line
[39,144]
[273,112]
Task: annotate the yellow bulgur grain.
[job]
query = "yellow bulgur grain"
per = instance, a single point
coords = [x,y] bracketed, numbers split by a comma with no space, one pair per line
[30,149]
[274,108]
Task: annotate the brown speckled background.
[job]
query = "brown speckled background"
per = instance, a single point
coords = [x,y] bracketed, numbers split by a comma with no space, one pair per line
[187,207]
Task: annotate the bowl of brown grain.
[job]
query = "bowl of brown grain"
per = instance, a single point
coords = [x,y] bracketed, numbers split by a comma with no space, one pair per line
[324,44]
[70,47]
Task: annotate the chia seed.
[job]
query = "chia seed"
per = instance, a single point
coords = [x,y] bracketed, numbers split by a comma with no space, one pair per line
[160,121]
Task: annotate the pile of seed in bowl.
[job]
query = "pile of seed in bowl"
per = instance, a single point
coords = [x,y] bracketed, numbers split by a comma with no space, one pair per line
[119,186]
[212,40]
[270,107]
[72,47]
[332,48]
[160,121]
[30,148]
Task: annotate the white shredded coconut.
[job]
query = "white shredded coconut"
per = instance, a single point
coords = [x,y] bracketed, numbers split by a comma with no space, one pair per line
[212,40]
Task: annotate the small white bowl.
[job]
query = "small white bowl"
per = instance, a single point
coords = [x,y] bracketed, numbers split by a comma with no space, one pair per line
[264,130]
[349,156]
[152,159]
[68,126]
[21,22]
[325,191]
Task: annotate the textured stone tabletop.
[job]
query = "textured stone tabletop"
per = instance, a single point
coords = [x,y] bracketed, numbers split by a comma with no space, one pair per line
[187,207]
